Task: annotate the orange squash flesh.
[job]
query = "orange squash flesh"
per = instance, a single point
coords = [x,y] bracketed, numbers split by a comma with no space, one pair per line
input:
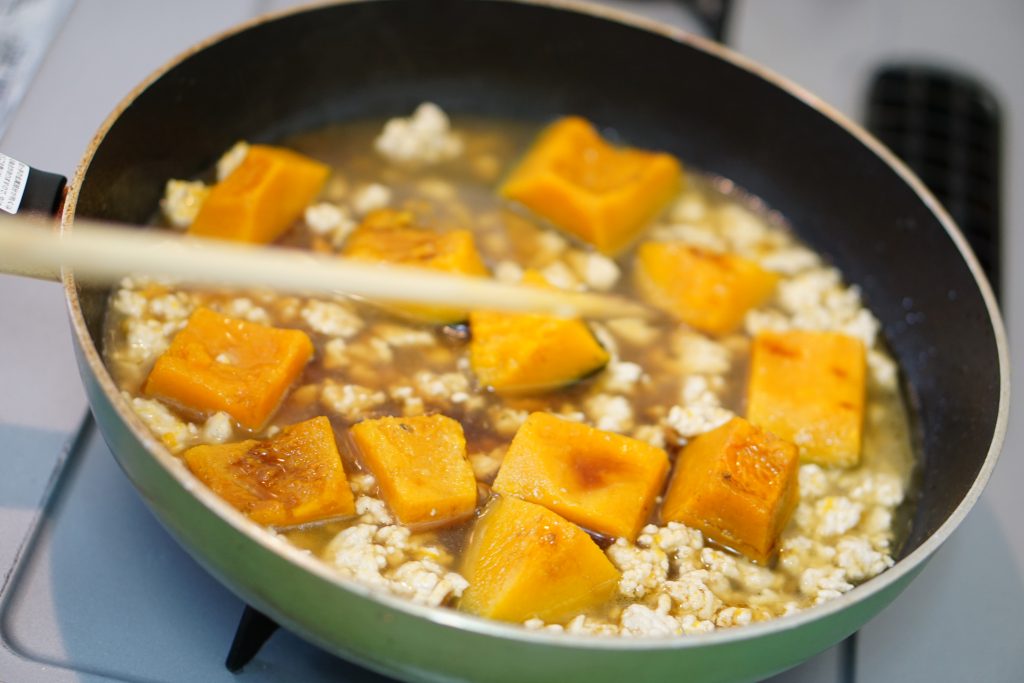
[524,561]
[421,466]
[222,364]
[390,236]
[602,481]
[262,197]
[516,353]
[808,387]
[737,484]
[294,478]
[599,193]
[708,291]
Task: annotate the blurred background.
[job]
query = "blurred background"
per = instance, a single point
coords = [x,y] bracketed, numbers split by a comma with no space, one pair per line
[102,593]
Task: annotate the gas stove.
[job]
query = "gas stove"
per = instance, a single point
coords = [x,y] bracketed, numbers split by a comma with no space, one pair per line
[95,590]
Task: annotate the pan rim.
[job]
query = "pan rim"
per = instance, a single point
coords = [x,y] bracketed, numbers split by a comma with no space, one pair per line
[486,627]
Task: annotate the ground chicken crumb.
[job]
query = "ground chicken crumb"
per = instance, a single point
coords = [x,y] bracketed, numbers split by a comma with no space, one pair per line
[388,557]
[817,300]
[589,626]
[652,434]
[719,562]
[174,307]
[880,489]
[790,260]
[401,336]
[690,207]
[694,420]
[244,309]
[701,390]
[331,319]
[823,583]
[325,218]
[596,270]
[693,596]
[692,625]
[765,320]
[699,236]
[621,377]
[883,370]
[175,433]
[644,570]
[733,616]
[351,401]
[130,303]
[813,481]
[610,413]
[362,483]
[370,198]
[506,421]
[424,138]
[836,515]
[700,355]
[146,339]
[743,229]
[859,560]
[486,465]
[373,511]
[182,201]
[232,159]
[678,540]
[442,387]
[427,582]
[550,245]
[218,428]
[638,620]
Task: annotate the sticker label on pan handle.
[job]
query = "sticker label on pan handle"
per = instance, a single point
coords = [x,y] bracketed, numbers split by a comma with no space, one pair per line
[13,178]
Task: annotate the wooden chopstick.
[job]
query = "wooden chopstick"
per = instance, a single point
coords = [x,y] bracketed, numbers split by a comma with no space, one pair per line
[102,253]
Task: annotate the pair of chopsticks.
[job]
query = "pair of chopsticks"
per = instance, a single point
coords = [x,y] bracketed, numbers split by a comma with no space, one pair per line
[102,253]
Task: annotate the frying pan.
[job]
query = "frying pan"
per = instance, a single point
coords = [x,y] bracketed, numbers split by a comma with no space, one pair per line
[846,196]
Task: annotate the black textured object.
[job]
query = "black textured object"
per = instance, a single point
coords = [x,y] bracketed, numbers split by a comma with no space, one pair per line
[946,127]
[254,628]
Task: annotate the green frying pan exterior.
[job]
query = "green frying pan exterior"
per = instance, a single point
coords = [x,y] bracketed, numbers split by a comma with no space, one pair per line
[659,88]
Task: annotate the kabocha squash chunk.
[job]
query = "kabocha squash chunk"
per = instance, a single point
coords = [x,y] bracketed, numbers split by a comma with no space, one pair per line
[808,387]
[709,291]
[262,197]
[219,363]
[524,561]
[294,478]
[391,237]
[738,485]
[421,467]
[602,194]
[516,353]
[602,481]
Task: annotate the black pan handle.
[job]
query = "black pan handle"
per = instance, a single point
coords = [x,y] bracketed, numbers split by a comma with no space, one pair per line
[24,189]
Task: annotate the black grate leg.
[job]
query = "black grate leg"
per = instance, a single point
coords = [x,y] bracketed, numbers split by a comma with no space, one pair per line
[254,628]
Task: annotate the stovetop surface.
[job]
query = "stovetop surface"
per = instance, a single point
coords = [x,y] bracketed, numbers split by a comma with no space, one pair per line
[102,593]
